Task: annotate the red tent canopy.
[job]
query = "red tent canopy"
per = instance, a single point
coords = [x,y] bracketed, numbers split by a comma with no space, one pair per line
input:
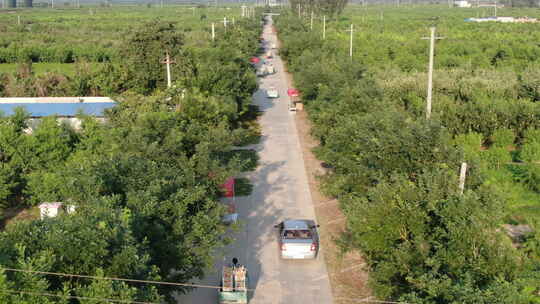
[254,60]
[293,92]
[228,187]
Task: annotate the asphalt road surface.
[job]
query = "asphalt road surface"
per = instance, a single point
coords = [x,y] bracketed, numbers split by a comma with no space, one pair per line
[280,192]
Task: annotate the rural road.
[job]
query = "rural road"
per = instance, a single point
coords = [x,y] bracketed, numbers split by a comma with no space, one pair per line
[280,192]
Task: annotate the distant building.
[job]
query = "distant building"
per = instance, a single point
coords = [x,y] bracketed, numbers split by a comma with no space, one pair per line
[503,19]
[462,3]
[64,108]
[273,2]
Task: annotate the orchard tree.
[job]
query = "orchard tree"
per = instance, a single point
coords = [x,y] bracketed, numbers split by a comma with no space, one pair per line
[321,7]
[143,52]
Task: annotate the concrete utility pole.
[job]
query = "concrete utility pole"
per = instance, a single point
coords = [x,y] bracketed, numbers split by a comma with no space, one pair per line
[462,175]
[243,7]
[225,23]
[495,8]
[232,20]
[18,20]
[430,70]
[168,62]
[213,31]
[298,10]
[324,27]
[351,40]
[311,22]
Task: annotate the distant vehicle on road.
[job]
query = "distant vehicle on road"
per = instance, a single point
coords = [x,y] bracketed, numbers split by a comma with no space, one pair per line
[298,239]
[270,69]
[265,69]
[272,92]
[233,284]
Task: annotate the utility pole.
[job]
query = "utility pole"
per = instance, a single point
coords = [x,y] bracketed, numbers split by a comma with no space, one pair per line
[311,22]
[430,70]
[213,31]
[233,21]
[462,175]
[351,40]
[324,27]
[495,8]
[350,43]
[18,20]
[298,10]
[168,62]
[225,23]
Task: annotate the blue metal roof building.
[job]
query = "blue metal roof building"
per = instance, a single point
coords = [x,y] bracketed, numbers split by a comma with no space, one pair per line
[61,107]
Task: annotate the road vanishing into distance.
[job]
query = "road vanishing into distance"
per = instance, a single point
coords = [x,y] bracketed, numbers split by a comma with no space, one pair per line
[280,191]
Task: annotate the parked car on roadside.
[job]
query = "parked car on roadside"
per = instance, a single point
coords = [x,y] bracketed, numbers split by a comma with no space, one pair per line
[298,239]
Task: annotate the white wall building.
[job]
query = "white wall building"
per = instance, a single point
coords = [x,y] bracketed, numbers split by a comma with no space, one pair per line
[462,3]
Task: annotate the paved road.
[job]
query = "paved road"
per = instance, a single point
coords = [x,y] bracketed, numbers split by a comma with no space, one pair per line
[280,191]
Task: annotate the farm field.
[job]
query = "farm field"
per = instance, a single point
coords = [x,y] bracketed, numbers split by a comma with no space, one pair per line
[395,172]
[68,69]
[75,45]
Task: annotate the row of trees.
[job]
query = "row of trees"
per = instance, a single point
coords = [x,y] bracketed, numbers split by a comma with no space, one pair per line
[145,183]
[395,175]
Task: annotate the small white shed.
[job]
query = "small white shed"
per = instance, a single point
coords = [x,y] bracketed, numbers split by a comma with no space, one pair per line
[462,3]
[49,209]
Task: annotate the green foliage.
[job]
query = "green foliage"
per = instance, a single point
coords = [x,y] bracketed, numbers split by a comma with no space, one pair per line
[503,138]
[470,144]
[496,157]
[144,50]
[427,243]
[530,152]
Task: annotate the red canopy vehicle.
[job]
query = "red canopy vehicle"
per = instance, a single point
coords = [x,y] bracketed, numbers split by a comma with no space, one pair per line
[293,92]
[254,60]
[228,187]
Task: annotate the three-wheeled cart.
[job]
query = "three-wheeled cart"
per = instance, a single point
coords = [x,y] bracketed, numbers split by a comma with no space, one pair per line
[233,285]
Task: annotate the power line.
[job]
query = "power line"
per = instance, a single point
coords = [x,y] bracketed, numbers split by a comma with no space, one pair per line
[114,279]
[368,300]
[71,297]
